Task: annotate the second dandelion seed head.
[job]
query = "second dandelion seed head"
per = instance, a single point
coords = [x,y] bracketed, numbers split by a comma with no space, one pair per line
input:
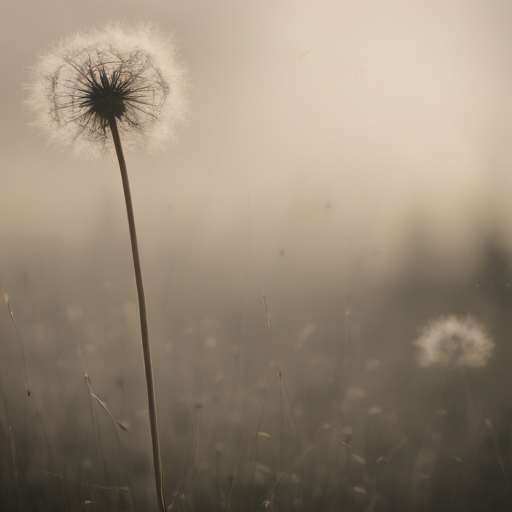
[454,341]
[124,73]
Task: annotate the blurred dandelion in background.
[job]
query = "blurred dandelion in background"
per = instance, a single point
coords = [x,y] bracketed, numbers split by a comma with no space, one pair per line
[129,73]
[454,342]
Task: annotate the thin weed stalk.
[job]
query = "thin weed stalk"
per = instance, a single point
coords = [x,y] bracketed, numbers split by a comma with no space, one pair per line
[193,458]
[279,377]
[345,345]
[189,465]
[241,375]
[99,443]
[237,462]
[256,446]
[284,401]
[284,476]
[284,396]
[26,377]
[33,409]
[95,428]
[15,469]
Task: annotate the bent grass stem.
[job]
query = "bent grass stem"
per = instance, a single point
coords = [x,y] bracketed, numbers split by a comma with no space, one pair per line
[117,425]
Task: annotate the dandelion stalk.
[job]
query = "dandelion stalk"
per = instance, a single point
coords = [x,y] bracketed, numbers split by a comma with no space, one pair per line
[157,463]
[429,426]
[489,425]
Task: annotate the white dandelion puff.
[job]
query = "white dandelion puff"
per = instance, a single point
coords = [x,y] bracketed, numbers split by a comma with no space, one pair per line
[129,73]
[454,342]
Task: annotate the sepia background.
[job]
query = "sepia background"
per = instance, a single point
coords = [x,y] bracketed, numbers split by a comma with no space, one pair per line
[349,161]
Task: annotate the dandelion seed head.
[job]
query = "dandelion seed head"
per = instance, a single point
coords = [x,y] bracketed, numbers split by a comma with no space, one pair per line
[129,74]
[453,341]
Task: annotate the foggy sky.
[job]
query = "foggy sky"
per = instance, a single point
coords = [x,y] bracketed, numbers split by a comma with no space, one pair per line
[321,136]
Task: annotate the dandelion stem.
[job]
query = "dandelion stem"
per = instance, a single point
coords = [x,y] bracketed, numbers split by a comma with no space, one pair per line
[435,410]
[157,463]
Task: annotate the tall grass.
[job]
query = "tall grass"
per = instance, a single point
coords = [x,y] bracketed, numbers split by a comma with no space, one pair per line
[305,440]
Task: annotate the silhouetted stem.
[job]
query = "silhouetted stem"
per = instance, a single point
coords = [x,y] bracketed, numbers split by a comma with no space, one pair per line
[157,463]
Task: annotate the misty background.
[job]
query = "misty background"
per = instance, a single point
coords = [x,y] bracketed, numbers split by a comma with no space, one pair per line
[349,161]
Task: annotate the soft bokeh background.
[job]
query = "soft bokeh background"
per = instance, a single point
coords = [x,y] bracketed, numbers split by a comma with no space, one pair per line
[351,161]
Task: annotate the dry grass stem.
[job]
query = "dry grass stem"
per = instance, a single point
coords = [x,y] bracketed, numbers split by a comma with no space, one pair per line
[26,376]
[117,425]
